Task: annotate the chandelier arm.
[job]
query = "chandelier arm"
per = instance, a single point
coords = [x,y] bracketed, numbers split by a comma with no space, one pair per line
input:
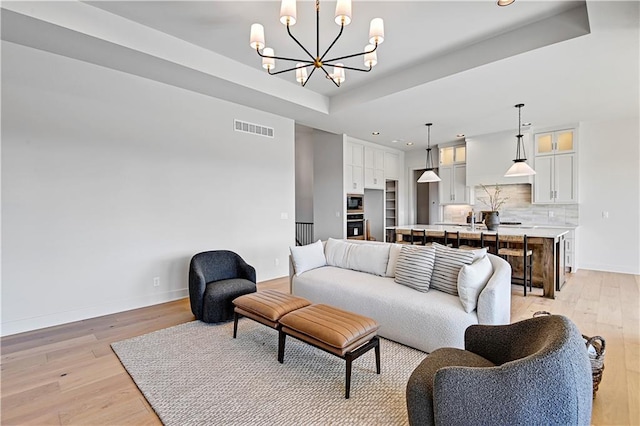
[348,68]
[334,42]
[352,56]
[299,44]
[309,76]
[287,70]
[283,58]
[330,77]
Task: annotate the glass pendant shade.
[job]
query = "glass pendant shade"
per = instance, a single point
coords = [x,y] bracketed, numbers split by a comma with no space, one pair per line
[429,176]
[519,168]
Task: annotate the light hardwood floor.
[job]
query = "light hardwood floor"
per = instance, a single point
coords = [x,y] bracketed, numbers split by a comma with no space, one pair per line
[69,375]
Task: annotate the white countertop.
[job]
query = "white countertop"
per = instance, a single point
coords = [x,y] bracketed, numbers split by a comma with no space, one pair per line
[538,231]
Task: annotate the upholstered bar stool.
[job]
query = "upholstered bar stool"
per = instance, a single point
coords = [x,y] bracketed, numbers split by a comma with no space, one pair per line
[527,262]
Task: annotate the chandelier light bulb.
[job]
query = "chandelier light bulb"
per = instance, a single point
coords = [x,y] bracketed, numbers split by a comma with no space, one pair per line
[343,12]
[288,12]
[257,37]
[301,73]
[370,59]
[338,73]
[268,63]
[376,31]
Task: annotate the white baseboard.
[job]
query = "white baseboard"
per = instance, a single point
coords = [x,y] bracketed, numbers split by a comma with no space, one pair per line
[619,269]
[28,324]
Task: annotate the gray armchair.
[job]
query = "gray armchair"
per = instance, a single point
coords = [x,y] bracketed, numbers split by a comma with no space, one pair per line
[215,279]
[533,372]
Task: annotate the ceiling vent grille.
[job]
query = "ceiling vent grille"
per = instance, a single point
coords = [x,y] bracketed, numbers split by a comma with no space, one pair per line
[256,129]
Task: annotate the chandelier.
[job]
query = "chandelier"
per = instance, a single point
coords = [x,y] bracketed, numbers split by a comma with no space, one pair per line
[520,166]
[319,61]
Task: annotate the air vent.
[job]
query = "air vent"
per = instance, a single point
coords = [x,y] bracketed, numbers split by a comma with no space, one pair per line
[256,129]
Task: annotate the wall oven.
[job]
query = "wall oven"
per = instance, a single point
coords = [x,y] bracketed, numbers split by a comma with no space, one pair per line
[355,225]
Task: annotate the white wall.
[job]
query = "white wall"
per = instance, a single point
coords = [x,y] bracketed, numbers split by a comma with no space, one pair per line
[110,180]
[304,173]
[609,181]
[328,199]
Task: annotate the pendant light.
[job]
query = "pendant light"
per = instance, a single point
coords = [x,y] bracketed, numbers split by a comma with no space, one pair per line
[520,166]
[429,175]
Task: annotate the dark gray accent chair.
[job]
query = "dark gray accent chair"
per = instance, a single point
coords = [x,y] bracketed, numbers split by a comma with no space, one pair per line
[533,372]
[215,279]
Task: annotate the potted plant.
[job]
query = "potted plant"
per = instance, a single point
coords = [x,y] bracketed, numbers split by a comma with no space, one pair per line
[494,201]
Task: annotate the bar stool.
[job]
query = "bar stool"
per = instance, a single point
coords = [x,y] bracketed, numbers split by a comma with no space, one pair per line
[419,237]
[527,262]
[487,239]
[454,237]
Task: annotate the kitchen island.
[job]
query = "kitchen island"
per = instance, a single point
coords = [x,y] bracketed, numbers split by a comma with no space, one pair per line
[547,245]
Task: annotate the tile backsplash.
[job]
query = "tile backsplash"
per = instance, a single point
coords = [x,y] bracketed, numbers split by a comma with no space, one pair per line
[517,208]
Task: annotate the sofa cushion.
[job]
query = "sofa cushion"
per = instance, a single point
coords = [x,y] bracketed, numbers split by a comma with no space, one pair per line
[370,258]
[447,267]
[415,266]
[471,281]
[308,257]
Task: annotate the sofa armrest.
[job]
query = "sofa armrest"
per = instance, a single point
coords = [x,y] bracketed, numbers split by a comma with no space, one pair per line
[494,302]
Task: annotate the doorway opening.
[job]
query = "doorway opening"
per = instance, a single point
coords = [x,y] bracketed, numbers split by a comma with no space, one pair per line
[427,202]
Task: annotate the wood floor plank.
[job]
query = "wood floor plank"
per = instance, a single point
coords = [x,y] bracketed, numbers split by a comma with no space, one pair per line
[68,374]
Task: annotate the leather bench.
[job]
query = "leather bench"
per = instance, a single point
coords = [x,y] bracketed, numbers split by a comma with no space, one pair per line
[266,307]
[342,333]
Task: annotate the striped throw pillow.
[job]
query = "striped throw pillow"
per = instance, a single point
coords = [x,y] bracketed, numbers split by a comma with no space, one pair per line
[449,261]
[415,266]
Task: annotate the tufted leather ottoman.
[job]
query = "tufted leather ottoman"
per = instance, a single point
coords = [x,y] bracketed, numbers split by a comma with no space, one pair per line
[341,333]
[265,307]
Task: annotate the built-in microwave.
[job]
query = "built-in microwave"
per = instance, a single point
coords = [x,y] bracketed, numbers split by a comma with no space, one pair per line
[354,203]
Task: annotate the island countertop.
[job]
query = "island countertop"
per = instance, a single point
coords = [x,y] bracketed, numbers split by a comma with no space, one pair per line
[507,230]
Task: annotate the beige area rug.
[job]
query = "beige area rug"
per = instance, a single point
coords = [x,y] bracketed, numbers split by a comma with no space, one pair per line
[197,374]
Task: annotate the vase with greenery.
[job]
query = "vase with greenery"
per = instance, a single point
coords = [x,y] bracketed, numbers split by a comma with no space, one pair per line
[494,201]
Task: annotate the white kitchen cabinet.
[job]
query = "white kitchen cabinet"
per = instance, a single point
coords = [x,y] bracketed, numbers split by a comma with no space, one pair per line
[454,154]
[556,166]
[391,166]
[354,168]
[569,252]
[373,168]
[453,186]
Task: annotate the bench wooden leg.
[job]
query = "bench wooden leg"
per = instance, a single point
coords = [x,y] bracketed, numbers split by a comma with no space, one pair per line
[236,317]
[281,341]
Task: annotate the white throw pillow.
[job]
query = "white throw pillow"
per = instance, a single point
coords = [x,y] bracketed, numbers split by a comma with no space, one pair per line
[415,266]
[471,281]
[370,258]
[308,257]
[447,267]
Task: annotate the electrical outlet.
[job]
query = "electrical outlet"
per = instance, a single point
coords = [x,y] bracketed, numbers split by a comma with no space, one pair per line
[605,215]
[550,213]
[276,261]
[156,281]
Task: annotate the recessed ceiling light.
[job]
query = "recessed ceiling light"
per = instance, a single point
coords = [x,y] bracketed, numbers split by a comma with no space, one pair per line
[409,143]
[505,2]
[460,135]
[397,140]
[526,124]
[375,133]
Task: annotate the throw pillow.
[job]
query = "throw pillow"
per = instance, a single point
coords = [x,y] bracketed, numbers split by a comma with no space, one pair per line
[308,257]
[364,257]
[415,266]
[394,252]
[448,263]
[471,281]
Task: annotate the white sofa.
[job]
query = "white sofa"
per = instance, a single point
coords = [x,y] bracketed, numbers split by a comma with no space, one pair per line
[423,320]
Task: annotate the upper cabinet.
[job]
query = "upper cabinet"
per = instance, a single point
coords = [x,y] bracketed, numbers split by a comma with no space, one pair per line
[391,166]
[556,165]
[453,172]
[451,155]
[354,168]
[374,171]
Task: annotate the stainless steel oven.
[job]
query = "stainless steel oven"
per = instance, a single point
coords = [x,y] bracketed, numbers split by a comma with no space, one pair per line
[355,225]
